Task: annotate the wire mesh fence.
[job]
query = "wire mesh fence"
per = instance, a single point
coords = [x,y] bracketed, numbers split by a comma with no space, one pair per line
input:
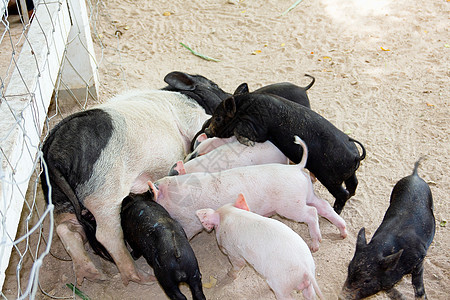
[46,59]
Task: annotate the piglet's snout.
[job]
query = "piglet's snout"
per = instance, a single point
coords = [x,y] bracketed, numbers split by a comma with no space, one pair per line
[173,171]
[346,293]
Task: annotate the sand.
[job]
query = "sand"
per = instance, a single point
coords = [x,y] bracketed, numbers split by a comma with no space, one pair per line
[382,76]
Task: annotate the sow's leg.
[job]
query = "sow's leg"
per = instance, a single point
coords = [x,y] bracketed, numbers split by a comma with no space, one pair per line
[109,233]
[72,236]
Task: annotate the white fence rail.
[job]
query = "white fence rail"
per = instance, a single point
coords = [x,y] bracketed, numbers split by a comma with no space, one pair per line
[56,58]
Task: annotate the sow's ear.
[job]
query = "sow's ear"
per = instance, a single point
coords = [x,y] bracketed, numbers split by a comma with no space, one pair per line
[390,262]
[180,81]
[361,240]
[229,106]
[208,217]
[241,89]
[241,203]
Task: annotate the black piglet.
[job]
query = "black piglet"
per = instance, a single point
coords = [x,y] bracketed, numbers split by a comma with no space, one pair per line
[152,233]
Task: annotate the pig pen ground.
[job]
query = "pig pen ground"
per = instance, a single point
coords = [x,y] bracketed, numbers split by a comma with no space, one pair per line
[382,76]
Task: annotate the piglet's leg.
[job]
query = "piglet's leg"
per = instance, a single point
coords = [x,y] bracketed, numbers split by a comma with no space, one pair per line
[245,134]
[341,196]
[280,288]
[195,284]
[171,288]
[281,296]
[308,293]
[351,185]
[109,233]
[395,294]
[324,209]
[308,215]
[72,236]
[417,281]
[237,264]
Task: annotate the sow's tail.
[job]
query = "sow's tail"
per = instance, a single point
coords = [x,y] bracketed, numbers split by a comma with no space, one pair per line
[312,82]
[85,218]
[300,142]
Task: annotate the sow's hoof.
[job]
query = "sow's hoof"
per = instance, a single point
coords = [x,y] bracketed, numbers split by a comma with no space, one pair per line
[90,272]
[140,277]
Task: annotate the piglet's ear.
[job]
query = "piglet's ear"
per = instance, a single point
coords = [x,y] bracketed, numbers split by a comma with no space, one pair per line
[153,189]
[390,262]
[180,168]
[361,240]
[241,203]
[202,137]
[241,89]
[180,81]
[208,217]
[230,106]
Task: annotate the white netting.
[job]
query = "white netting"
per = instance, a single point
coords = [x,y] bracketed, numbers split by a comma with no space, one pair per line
[46,58]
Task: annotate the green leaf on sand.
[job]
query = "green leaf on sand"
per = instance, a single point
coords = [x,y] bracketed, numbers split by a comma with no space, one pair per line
[77,291]
[291,8]
[198,54]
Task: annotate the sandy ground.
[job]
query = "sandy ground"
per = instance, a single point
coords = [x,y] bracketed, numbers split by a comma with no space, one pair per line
[382,76]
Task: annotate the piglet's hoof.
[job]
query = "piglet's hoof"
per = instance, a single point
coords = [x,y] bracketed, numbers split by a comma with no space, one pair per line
[395,294]
[245,141]
[314,246]
[343,232]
